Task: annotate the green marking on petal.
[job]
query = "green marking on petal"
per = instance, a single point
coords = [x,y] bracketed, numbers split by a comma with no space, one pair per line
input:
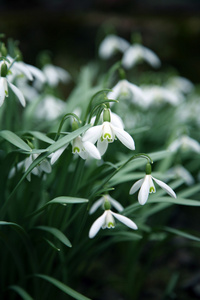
[76,149]
[151,190]
[6,92]
[110,225]
[107,136]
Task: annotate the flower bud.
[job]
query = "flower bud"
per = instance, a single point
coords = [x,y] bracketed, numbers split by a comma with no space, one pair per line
[3,50]
[148,168]
[107,205]
[4,70]
[74,125]
[106,115]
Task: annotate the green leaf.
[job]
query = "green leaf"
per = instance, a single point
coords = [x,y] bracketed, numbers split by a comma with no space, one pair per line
[182,233]
[21,292]
[17,227]
[63,287]
[57,233]
[15,140]
[42,137]
[63,200]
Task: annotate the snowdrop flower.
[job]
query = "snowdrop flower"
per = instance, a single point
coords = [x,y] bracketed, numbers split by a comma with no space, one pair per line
[100,202]
[49,108]
[126,89]
[43,166]
[158,94]
[55,74]
[185,143]
[137,53]
[182,172]
[181,84]
[112,44]
[146,186]
[106,133]
[107,221]
[83,149]
[5,83]
[114,120]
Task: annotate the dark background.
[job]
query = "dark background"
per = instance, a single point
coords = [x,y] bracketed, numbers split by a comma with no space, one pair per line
[71,30]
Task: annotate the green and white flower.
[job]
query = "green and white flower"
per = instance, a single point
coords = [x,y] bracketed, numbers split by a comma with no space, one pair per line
[107,221]
[185,143]
[100,203]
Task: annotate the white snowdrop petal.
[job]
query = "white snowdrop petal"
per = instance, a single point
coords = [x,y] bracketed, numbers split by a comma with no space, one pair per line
[97,225]
[96,205]
[144,191]
[92,134]
[115,204]
[18,93]
[45,166]
[151,58]
[135,187]
[116,120]
[124,137]
[22,68]
[165,187]
[37,73]
[54,156]
[92,150]
[125,220]
[102,146]
[3,83]
[130,57]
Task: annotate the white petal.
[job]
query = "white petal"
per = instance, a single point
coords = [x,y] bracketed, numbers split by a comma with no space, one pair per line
[124,137]
[92,150]
[115,203]
[96,205]
[92,134]
[37,73]
[3,84]
[165,187]
[174,145]
[125,220]
[97,225]
[115,92]
[137,93]
[136,186]
[194,145]
[63,74]
[116,120]
[144,191]
[54,156]
[83,154]
[18,93]
[45,166]
[102,146]
[21,67]
[130,57]
[151,58]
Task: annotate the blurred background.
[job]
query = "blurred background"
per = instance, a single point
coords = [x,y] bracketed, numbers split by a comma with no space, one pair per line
[72,30]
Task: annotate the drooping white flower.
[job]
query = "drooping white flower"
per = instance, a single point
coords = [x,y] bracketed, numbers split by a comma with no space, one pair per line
[114,120]
[84,148]
[43,166]
[158,95]
[137,53]
[107,133]
[55,74]
[4,84]
[49,108]
[181,84]
[185,143]
[112,44]
[107,221]
[100,203]
[126,89]
[182,172]
[147,187]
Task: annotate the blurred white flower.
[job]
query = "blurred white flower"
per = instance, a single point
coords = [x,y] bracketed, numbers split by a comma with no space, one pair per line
[137,53]
[157,94]
[101,202]
[126,89]
[106,133]
[146,186]
[112,44]
[49,108]
[55,74]
[181,172]
[184,142]
[180,84]
[107,221]
[43,166]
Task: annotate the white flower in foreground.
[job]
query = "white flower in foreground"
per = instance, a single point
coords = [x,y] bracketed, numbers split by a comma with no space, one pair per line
[100,203]
[182,172]
[55,74]
[114,120]
[137,53]
[184,143]
[126,89]
[112,44]
[146,186]
[4,84]
[107,221]
[107,133]
[43,166]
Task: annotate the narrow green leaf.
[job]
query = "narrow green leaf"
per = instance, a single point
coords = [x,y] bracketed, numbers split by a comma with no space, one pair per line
[57,233]
[20,292]
[182,233]
[15,140]
[15,225]
[63,200]
[52,245]
[63,287]
[42,137]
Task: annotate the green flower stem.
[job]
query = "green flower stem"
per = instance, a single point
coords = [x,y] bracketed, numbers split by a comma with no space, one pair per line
[63,120]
